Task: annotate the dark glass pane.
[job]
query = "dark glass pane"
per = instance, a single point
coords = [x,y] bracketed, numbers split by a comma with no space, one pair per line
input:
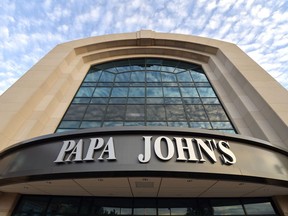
[135,112]
[215,113]
[69,124]
[95,112]
[136,101]
[153,64]
[90,124]
[117,100]
[177,124]
[99,100]
[115,112]
[155,112]
[227,207]
[123,69]
[175,112]
[258,207]
[137,64]
[191,100]
[64,205]
[112,123]
[155,100]
[32,204]
[196,113]
[204,125]
[173,101]
[75,112]
[81,100]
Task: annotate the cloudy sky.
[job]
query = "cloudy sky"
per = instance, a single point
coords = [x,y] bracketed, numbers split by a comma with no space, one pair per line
[31,28]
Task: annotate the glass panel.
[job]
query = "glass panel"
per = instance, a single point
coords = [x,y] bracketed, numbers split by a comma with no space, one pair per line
[192,101]
[258,207]
[135,112]
[156,123]
[204,125]
[184,77]
[221,125]
[64,205]
[171,92]
[227,207]
[138,76]
[206,92]
[112,123]
[85,92]
[137,64]
[177,124]
[175,112]
[81,100]
[168,77]
[154,92]
[115,112]
[99,100]
[93,75]
[69,124]
[189,92]
[155,112]
[134,123]
[196,113]
[155,100]
[153,76]
[216,113]
[102,92]
[210,101]
[137,92]
[136,101]
[198,77]
[90,124]
[75,112]
[95,112]
[117,100]
[32,204]
[122,77]
[107,77]
[119,92]
[173,101]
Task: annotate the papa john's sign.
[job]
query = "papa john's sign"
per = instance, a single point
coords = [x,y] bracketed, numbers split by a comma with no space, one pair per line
[189,149]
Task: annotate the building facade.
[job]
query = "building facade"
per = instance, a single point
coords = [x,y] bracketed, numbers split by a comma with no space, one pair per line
[144,123]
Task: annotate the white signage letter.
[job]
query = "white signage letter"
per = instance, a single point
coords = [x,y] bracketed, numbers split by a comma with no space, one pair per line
[67,146]
[209,151]
[145,158]
[227,155]
[170,148]
[109,149]
[95,143]
[188,147]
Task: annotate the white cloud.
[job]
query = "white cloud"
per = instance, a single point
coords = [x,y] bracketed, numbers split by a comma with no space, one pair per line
[27,32]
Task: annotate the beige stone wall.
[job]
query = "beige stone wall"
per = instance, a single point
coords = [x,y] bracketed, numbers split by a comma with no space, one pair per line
[35,104]
[7,203]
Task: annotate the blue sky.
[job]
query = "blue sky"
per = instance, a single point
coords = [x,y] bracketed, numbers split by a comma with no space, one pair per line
[29,29]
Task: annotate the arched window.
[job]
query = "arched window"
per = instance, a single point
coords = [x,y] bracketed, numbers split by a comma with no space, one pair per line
[146,92]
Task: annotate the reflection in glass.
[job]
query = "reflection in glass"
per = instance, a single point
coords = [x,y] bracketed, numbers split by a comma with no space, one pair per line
[140,91]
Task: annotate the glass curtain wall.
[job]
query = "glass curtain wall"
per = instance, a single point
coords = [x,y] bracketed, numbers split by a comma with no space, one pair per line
[146,92]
